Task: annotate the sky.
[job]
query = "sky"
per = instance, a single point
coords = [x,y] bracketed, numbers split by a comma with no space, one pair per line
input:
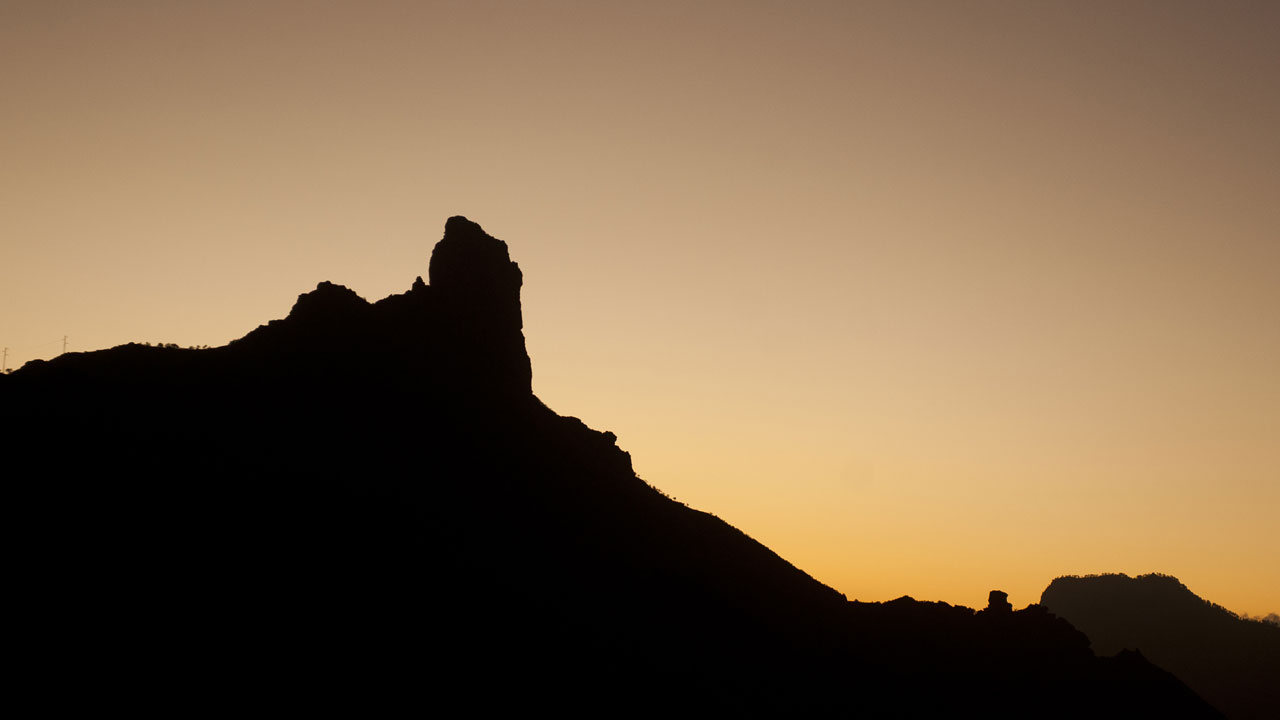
[932,298]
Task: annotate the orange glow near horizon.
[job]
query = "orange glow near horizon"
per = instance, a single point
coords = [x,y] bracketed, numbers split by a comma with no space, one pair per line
[929,298]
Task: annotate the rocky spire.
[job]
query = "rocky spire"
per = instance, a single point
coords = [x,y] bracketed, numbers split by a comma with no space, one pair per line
[477,289]
[471,269]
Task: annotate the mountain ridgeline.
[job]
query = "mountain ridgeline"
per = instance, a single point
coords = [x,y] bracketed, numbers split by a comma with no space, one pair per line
[364,503]
[1231,662]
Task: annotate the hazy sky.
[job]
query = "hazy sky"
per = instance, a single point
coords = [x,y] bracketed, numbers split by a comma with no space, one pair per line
[930,298]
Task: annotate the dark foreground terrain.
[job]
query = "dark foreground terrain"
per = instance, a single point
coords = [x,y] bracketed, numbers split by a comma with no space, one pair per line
[364,505]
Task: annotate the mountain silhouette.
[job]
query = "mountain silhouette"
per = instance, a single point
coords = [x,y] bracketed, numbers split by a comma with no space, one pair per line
[364,505]
[1232,663]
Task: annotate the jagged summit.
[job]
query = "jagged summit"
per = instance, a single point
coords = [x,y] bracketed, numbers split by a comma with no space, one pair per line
[460,335]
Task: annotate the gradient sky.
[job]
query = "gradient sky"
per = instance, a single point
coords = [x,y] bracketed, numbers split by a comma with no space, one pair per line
[930,298]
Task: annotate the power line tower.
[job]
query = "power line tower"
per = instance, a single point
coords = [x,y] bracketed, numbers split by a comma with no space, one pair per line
[64,344]
[4,366]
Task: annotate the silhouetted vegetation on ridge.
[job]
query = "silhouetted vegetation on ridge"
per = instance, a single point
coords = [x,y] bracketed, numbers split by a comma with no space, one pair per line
[224,525]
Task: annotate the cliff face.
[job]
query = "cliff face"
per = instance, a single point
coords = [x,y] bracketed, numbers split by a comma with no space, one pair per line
[365,501]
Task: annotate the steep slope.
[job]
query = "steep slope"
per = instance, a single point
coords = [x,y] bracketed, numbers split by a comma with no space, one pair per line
[1232,663]
[364,501]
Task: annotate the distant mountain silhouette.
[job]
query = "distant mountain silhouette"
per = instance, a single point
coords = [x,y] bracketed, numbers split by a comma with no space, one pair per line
[364,505]
[1232,663]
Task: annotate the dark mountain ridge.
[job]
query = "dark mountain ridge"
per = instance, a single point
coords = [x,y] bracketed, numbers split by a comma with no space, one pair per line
[1231,662]
[365,502]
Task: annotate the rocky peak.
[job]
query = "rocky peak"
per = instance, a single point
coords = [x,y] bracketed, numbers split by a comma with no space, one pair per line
[476,289]
[471,269]
[461,334]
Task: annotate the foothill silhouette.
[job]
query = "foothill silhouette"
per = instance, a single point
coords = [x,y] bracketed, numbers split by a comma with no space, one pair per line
[365,503]
[1232,662]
